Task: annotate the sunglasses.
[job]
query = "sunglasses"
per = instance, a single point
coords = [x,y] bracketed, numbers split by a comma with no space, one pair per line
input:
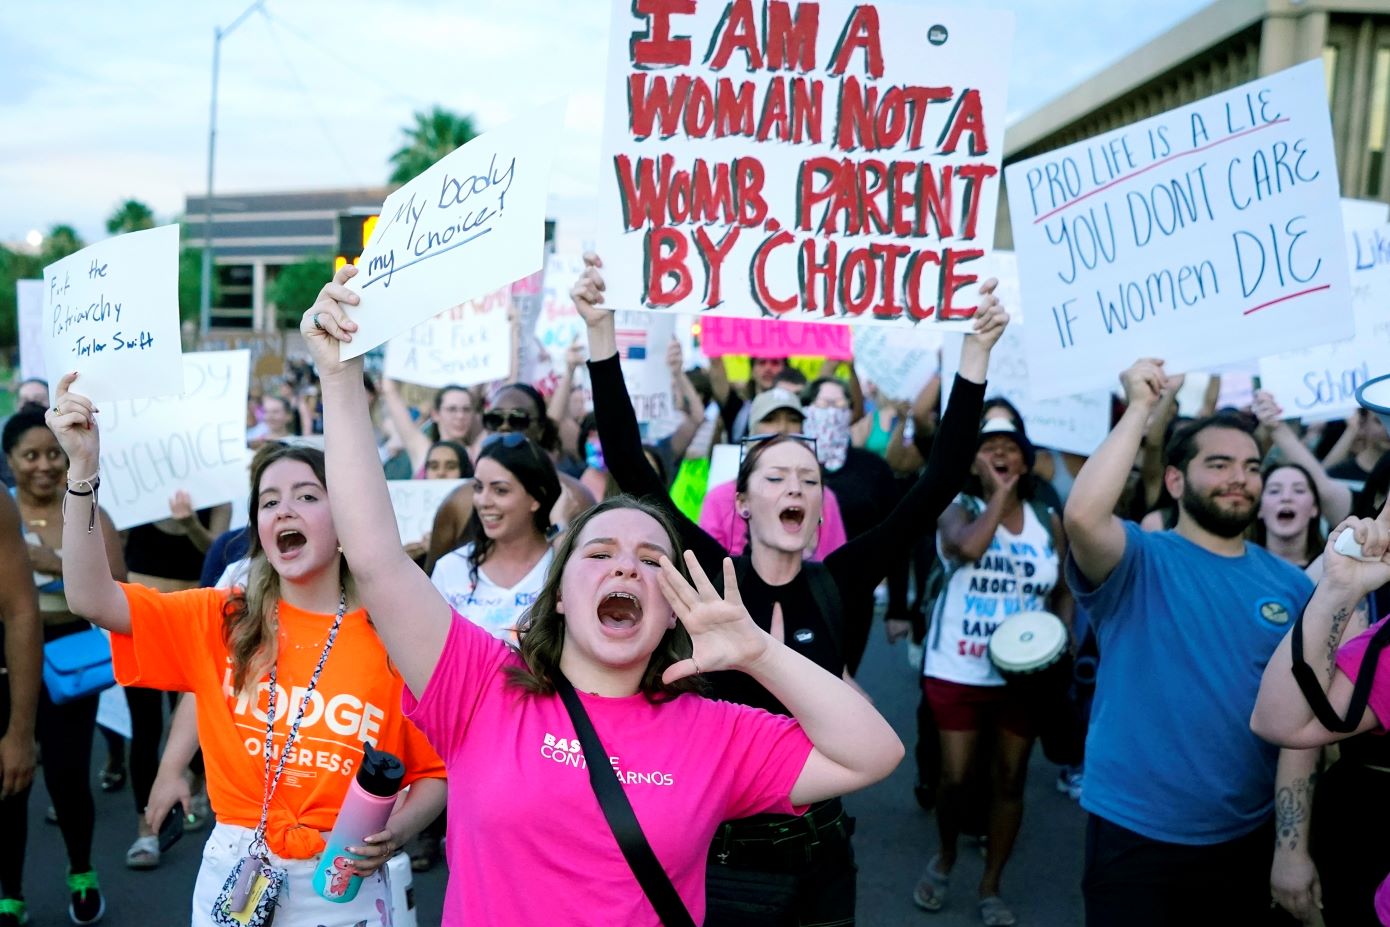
[515,419]
[749,442]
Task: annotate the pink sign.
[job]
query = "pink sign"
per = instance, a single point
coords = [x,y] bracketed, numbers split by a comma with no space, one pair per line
[771,338]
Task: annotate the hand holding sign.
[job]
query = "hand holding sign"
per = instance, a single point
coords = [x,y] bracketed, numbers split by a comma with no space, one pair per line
[73,421]
[326,324]
[1144,382]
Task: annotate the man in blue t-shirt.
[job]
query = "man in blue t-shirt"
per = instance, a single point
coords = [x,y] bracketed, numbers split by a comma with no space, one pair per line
[1180,792]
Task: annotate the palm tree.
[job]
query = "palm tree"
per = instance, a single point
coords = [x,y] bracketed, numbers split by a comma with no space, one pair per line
[435,134]
[130,216]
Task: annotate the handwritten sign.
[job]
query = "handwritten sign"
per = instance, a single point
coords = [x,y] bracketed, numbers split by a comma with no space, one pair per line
[195,442]
[558,325]
[1319,383]
[899,363]
[471,223]
[1207,235]
[416,502]
[770,338]
[29,299]
[465,345]
[642,343]
[831,162]
[111,311]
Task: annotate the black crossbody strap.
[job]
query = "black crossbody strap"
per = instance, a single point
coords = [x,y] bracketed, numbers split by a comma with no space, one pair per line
[1317,700]
[621,819]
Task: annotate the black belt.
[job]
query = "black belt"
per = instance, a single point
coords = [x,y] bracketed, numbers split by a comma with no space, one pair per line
[782,842]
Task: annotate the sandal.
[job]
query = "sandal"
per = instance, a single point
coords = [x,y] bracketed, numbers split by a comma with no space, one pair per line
[994,913]
[112,780]
[143,853]
[930,893]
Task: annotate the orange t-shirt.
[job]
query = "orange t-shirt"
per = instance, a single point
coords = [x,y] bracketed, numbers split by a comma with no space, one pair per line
[176,643]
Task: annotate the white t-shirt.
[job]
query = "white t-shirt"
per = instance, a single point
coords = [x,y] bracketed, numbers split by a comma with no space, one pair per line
[1016,574]
[495,608]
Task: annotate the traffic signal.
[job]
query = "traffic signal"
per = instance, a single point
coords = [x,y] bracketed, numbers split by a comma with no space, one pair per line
[354,231]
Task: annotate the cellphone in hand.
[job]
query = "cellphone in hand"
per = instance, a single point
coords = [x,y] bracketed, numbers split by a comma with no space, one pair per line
[172,828]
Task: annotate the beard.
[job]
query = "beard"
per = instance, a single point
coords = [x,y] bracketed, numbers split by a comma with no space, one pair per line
[1222,523]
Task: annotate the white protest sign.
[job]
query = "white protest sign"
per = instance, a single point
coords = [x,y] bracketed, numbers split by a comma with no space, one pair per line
[899,363]
[111,312]
[416,502]
[1319,383]
[471,223]
[559,324]
[29,300]
[1207,235]
[723,464]
[465,345]
[195,442]
[838,163]
[642,342]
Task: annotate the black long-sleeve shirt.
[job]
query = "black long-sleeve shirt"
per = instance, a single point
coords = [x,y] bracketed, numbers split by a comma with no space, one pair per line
[856,568]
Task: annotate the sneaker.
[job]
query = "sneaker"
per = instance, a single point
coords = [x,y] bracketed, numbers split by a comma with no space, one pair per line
[87,906]
[13,912]
[1069,782]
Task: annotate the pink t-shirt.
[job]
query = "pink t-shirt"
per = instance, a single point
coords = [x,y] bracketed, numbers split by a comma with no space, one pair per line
[1349,658]
[721,522]
[527,840]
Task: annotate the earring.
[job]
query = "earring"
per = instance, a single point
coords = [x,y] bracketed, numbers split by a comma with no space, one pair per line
[340,548]
[743,514]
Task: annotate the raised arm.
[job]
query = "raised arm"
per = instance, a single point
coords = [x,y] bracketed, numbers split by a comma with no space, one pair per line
[91,552]
[1334,494]
[409,615]
[687,401]
[19,610]
[1096,533]
[416,445]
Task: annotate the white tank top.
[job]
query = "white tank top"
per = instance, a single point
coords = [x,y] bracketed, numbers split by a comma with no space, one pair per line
[1015,575]
[496,608]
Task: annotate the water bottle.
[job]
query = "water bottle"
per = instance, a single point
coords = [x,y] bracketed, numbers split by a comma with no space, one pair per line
[365,810]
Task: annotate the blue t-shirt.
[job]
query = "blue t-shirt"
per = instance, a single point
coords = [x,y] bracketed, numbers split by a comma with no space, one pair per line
[1184,637]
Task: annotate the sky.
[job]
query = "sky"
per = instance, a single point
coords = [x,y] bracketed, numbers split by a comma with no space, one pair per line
[102,102]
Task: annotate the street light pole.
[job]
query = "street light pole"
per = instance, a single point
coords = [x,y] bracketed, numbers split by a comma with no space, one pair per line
[205,304]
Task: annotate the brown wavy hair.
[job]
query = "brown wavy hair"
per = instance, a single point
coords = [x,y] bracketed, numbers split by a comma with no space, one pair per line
[248,614]
[542,628]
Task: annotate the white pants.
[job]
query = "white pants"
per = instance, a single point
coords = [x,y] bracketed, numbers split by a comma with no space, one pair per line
[299,904]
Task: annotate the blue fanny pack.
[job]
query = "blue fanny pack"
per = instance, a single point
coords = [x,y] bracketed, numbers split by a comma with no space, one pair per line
[77,666]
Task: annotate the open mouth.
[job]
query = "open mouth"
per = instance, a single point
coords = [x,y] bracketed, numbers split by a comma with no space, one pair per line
[290,540]
[1285,516]
[793,517]
[620,611]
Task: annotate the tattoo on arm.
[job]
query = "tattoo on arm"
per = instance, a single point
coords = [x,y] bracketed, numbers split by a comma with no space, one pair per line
[1292,806]
[1334,637]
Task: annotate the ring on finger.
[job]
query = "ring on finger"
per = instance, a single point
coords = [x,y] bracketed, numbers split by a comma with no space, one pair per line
[317,323]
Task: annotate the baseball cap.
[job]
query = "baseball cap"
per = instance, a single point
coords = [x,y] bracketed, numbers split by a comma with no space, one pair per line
[1002,427]
[769,401]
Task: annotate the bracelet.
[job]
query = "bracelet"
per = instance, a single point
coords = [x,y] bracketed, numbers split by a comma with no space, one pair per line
[92,483]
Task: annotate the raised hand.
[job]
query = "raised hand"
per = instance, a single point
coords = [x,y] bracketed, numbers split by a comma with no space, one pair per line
[1370,571]
[587,292]
[722,633]
[1266,409]
[325,324]
[73,420]
[181,506]
[991,318]
[1144,381]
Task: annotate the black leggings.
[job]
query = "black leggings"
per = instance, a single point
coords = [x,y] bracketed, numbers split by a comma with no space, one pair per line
[146,732]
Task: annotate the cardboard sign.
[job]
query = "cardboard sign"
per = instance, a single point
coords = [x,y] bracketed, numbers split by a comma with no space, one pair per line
[29,300]
[195,442]
[465,345]
[416,502]
[558,325]
[1208,235]
[1319,383]
[899,363]
[770,338]
[111,312]
[470,224]
[831,162]
[642,343]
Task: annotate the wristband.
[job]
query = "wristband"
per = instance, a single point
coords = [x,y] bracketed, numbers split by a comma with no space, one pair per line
[92,483]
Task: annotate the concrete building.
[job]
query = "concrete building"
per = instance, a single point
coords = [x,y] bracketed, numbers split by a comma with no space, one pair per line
[1226,44]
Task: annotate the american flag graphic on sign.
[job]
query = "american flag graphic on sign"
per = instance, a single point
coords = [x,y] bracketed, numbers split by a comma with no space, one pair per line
[632,344]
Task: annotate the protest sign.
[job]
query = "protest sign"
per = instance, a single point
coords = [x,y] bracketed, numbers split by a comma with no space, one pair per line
[832,162]
[772,338]
[467,344]
[415,503]
[899,363]
[470,224]
[559,325]
[723,466]
[29,302]
[195,442]
[642,342]
[1319,383]
[111,312]
[1207,235]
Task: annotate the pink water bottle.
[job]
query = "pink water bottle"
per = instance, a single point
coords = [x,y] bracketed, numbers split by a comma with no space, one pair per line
[368,804]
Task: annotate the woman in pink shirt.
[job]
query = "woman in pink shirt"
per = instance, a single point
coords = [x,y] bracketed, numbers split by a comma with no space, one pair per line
[618,620]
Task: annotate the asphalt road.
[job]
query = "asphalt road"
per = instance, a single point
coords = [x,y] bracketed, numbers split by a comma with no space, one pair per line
[894,839]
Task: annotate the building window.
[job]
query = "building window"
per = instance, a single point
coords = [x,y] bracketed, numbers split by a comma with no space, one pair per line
[1329,70]
[1380,101]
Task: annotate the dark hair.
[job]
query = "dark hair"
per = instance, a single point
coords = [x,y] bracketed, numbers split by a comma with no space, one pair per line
[1027,483]
[809,394]
[1314,540]
[1182,446]
[999,402]
[39,380]
[248,613]
[658,461]
[1377,484]
[451,388]
[289,407]
[534,470]
[699,379]
[28,418]
[790,374]
[461,452]
[542,627]
[550,433]
[758,449]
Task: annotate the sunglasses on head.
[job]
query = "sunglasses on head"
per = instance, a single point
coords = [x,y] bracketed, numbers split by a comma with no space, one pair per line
[748,442]
[515,419]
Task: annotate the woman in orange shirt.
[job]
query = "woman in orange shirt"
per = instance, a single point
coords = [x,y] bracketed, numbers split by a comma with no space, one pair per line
[290,659]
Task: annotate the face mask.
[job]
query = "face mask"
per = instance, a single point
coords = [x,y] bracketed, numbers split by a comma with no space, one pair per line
[593,454]
[830,428]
